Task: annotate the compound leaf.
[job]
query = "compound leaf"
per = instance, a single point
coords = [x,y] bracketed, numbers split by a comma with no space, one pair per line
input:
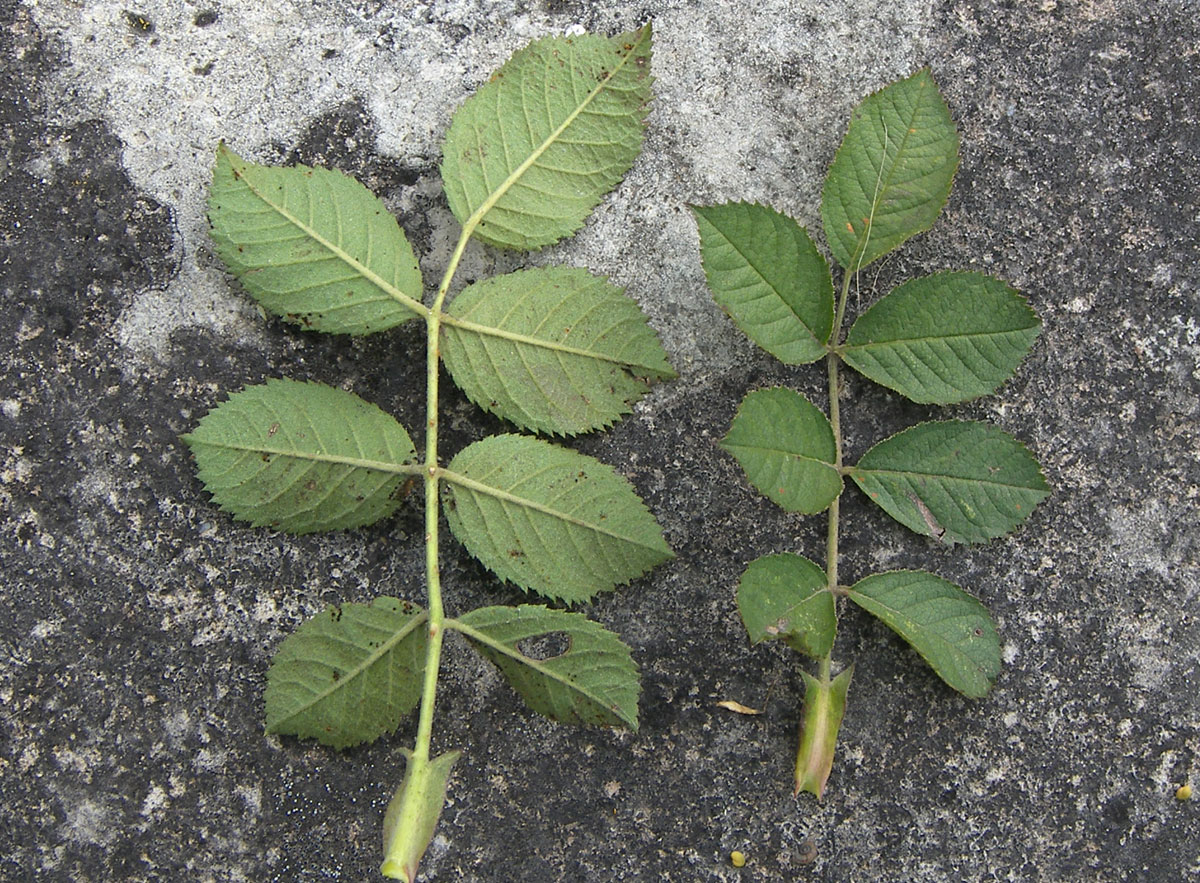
[766,273]
[943,338]
[892,173]
[349,674]
[786,597]
[301,457]
[785,445]
[549,519]
[532,152]
[592,681]
[957,481]
[553,350]
[313,246]
[951,630]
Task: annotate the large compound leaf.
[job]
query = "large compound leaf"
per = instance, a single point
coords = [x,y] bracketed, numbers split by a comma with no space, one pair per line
[552,350]
[313,246]
[787,597]
[349,674]
[765,271]
[549,519]
[892,174]
[943,338]
[531,153]
[951,630]
[301,457]
[957,481]
[592,681]
[785,445]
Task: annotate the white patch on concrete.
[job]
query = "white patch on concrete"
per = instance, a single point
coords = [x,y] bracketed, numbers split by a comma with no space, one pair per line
[746,107]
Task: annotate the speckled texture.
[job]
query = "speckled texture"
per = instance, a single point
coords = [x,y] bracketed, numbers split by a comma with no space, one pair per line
[139,620]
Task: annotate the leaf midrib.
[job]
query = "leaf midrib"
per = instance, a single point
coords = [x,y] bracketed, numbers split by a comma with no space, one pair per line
[860,248]
[855,471]
[359,670]
[759,273]
[508,183]
[931,338]
[340,253]
[338,459]
[516,337]
[536,664]
[524,502]
[914,626]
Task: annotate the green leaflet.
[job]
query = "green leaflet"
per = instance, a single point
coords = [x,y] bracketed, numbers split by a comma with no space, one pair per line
[413,812]
[549,519]
[553,350]
[951,630]
[785,445]
[313,246]
[301,457]
[786,596]
[957,481]
[943,338]
[594,681]
[531,153]
[892,173]
[349,674]
[766,273]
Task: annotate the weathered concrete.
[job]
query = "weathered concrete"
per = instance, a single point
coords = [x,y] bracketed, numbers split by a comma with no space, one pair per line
[140,620]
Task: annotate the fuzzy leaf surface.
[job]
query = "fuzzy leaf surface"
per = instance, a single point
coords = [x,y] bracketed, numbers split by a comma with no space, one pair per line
[549,519]
[957,481]
[765,271]
[301,457]
[785,445]
[943,338]
[593,681]
[532,152]
[553,350]
[950,629]
[349,674]
[313,246]
[786,597]
[892,173]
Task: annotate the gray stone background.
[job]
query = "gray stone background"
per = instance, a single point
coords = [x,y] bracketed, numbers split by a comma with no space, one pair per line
[139,621]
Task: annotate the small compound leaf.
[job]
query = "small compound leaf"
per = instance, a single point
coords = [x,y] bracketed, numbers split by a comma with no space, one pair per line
[892,174]
[593,681]
[412,815]
[956,481]
[951,630]
[301,457]
[531,153]
[787,597]
[785,445]
[313,246]
[349,674]
[767,274]
[553,350]
[549,519]
[943,338]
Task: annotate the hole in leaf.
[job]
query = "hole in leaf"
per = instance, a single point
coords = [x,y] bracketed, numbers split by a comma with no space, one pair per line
[545,646]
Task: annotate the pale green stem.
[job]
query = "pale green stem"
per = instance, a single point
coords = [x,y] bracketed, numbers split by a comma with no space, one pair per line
[433,582]
[835,421]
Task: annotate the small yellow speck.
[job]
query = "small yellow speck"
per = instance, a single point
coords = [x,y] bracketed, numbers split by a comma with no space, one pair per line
[1184,792]
[737,859]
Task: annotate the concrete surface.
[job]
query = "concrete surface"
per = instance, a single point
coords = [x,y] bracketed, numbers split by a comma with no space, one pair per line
[139,621]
